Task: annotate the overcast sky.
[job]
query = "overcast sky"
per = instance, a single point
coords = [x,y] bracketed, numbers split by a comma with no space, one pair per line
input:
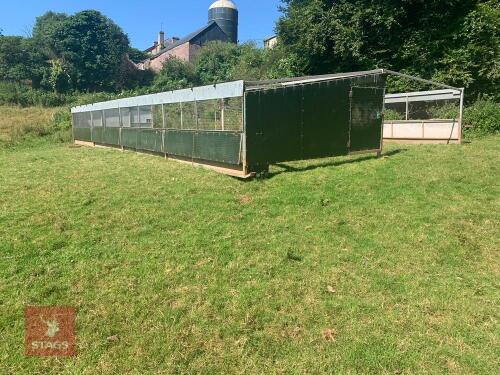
[142,20]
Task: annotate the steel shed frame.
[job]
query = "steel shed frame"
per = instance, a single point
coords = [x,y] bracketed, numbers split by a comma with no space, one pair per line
[239,128]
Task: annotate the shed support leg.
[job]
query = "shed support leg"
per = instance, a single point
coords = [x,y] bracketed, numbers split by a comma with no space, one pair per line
[262,172]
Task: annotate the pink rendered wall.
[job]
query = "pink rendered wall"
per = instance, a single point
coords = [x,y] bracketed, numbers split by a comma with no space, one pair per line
[183,52]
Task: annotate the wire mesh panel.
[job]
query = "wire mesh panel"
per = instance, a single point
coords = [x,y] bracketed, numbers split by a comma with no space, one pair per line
[232,114]
[97,119]
[126,114]
[112,118]
[189,118]
[199,123]
[209,114]
[82,126]
[82,120]
[433,109]
[424,116]
[157,113]
[145,117]
[423,105]
[135,121]
[173,116]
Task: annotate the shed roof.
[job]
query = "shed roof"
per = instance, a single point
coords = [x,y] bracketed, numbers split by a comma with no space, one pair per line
[309,79]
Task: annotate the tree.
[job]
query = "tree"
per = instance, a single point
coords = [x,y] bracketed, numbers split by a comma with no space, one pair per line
[250,64]
[136,55]
[474,60]
[92,47]
[45,30]
[416,36]
[175,74]
[215,62]
[59,79]
[21,61]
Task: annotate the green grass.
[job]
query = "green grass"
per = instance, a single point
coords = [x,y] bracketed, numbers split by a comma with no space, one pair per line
[16,122]
[345,265]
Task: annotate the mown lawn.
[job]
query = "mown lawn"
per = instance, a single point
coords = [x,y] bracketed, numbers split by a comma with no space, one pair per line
[344,265]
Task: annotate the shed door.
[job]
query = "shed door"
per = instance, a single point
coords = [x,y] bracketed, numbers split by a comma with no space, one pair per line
[365,131]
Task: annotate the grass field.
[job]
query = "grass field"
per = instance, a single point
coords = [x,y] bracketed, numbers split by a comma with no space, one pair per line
[15,122]
[345,265]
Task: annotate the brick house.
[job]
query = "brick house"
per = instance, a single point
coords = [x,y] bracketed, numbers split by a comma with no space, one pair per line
[222,26]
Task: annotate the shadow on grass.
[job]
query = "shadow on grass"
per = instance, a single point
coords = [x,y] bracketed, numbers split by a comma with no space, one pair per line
[288,168]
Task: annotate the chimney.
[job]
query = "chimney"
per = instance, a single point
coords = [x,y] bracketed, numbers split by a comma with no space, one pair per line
[161,39]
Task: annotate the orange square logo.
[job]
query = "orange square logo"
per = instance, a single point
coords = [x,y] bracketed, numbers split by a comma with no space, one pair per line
[49,331]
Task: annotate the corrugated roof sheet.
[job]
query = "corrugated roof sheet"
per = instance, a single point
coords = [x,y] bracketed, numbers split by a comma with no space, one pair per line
[309,79]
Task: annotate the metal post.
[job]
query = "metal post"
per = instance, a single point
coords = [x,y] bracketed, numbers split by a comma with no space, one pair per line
[223,110]
[407,107]
[120,124]
[73,123]
[244,134]
[196,114]
[91,125]
[164,120]
[215,115]
[462,94]
[182,116]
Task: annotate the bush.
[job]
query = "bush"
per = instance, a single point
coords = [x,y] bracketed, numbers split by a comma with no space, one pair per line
[483,116]
[61,120]
[392,115]
[18,94]
[446,111]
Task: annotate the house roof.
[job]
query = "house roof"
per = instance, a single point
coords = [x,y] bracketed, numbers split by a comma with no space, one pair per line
[186,39]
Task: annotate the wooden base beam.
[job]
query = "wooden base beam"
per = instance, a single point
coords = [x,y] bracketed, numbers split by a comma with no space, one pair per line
[239,173]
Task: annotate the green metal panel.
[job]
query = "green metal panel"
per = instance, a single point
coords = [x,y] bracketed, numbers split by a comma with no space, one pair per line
[111,136]
[218,146]
[98,135]
[129,137]
[150,140]
[311,120]
[366,118]
[82,134]
[325,119]
[274,125]
[179,142]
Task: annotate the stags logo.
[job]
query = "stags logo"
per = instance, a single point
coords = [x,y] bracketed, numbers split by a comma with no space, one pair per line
[50,331]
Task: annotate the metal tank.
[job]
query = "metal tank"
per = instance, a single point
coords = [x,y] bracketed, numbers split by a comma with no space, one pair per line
[225,13]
